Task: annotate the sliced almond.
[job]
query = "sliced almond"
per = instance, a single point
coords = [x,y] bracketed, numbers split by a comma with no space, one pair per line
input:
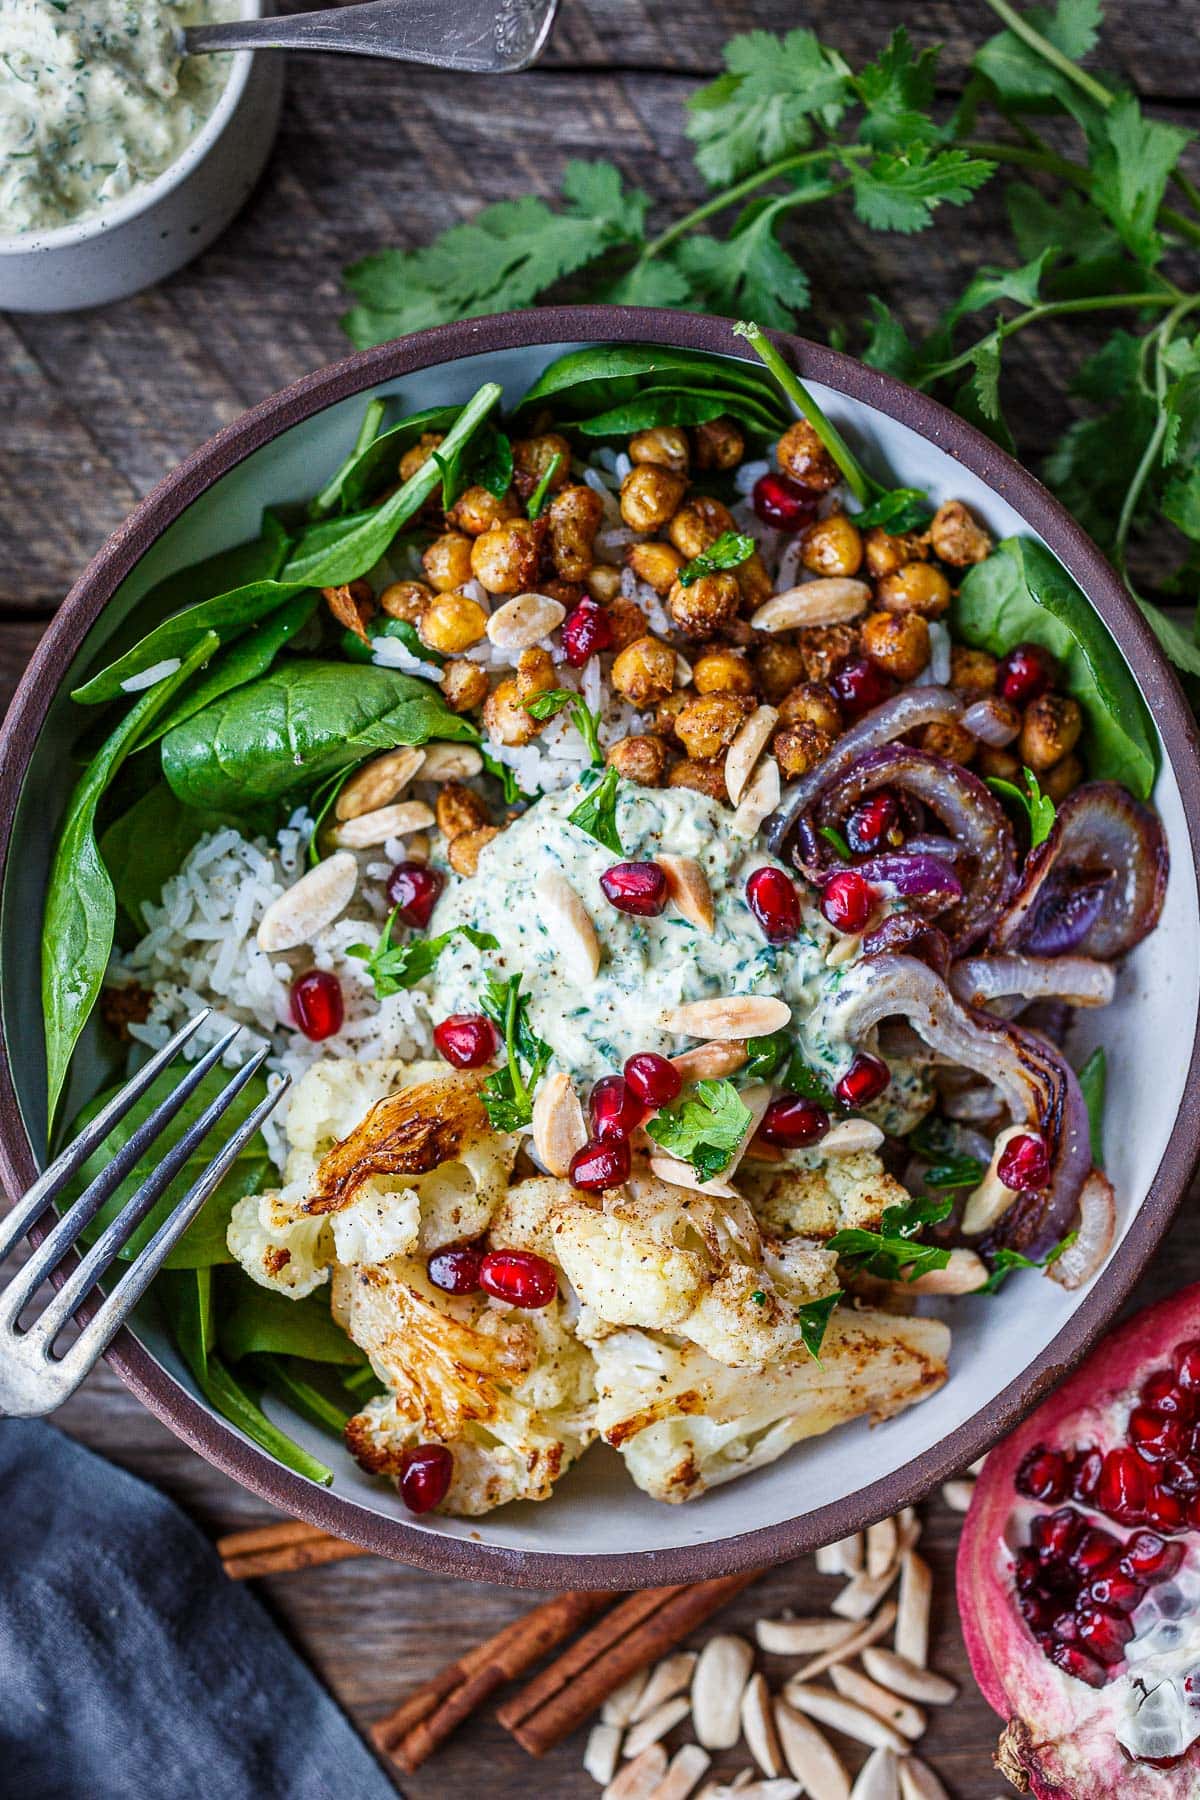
[756,1098]
[758,1726]
[963,1274]
[918,1781]
[843,1557]
[870,1633]
[688,891]
[843,949]
[417,847]
[618,1709]
[844,1715]
[881,1546]
[908,1528]
[908,1719]
[729,1016]
[849,1136]
[711,1062]
[559,1128]
[810,1756]
[958,1495]
[682,1175]
[602,1753]
[656,1725]
[829,601]
[451,762]
[378,782]
[570,925]
[893,1671]
[746,748]
[683,671]
[524,621]
[992,1198]
[668,1678]
[801,1637]
[862,1595]
[879,1778]
[912,1616]
[310,904]
[683,1772]
[639,1778]
[717,1687]
[384,823]
[759,800]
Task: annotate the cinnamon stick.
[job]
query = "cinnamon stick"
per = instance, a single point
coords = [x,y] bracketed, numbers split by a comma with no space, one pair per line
[280,1549]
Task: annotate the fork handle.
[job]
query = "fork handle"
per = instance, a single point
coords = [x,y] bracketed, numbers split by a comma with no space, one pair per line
[479,36]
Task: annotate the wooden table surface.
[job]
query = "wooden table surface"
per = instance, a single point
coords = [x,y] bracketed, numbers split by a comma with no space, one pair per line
[98,406]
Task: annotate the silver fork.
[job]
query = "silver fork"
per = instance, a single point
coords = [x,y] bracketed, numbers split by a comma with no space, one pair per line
[481,37]
[32,1380]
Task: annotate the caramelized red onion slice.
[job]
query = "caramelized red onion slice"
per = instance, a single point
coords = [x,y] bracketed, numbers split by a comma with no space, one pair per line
[992,721]
[1036,1083]
[1078,980]
[1096,1227]
[912,877]
[912,935]
[1097,883]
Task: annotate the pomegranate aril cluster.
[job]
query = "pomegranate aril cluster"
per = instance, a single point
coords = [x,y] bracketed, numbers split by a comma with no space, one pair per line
[1077,1582]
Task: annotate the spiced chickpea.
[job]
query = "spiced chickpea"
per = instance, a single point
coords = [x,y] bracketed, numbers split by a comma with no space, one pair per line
[567,593]
[477,510]
[418,454]
[699,524]
[505,558]
[463,852]
[505,719]
[406,600]
[832,546]
[811,703]
[950,741]
[754,584]
[650,495]
[533,456]
[779,667]
[656,564]
[799,748]
[668,710]
[972,672]
[603,582]
[718,444]
[994,764]
[573,519]
[458,809]
[644,671]
[957,537]
[640,758]
[708,604]
[897,642]
[666,446]
[1059,781]
[916,588]
[702,777]
[1050,730]
[723,671]
[801,454]
[709,723]
[823,647]
[464,686]
[885,552]
[452,624]
[447,562]
[535,672]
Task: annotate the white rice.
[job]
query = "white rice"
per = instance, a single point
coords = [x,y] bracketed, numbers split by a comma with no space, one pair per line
[393,653]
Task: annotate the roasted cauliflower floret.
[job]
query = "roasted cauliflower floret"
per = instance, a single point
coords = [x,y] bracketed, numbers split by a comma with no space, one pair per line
[816,1196]
[511,1393]
[684,1423]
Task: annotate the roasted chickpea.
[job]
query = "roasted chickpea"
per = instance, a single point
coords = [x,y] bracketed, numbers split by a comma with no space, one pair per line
[916,588]
[418,454]
[723,671]
[710,722]
[644,671]
[628,622]
[972,672]
[952,742]
[710,603]
[956,537]
[505,558]
[811,704]
[832,546]
[453,623]
[650,495]
[1049,731]
[779,667]
[477,510]
[699,524]
[504,716]
[823,647]
[641,759]
[458,809]
[885,552]
[406,600]
[573,519]
[754,584]
[897,642]
[603,581]
[532,456]
[535,672]
[703,777]
[447,562]
[799,748]
[802,455]
[718,444]
[1059,781]
[668,710]
[464,686]
[997,765]
[655,564]
[567,593]
[665,446]
[463,852]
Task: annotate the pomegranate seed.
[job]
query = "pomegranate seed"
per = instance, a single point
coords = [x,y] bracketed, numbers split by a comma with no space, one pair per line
[456,1268]
[859,686]
[1024,674]
[780,501]
[467,1040]
[317,1004]
[414,889]
[424,1479]
[1182,1476]
[1072,1661]
[1187,1366]
[1038,1610]
[519,1278]
[1155,1436]
[1043,1475]
[1161,1395]
[1027,1569]
[1065,1628]
[1117,1591]
[1104,1634]
[863,1081]
[872,822]
[654,1080]
[1054,1535]
[1085,1474]
[600,1165]
[1023,1163]
[794,1123]
[773,900]
[638,888]
[615,1109]
[847,900]
[1166,1512]
[1096,1551]
[587,628]
[1124,1486]
[1147,1554]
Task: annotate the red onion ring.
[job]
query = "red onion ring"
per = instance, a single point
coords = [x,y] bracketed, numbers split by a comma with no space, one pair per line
[1078,980]
[1097,1227]
[993,721]
[913,935]
[911,877]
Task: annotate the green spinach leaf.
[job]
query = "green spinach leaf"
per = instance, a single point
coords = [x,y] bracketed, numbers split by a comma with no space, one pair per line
[1038,808]
[146,846]
[537,500]
[252,1320]
[1093,1084]
[595,380]
[299,1384]
[248,657]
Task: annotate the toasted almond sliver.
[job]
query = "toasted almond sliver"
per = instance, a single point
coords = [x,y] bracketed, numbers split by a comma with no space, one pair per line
[843,949]
[571,927]
[618,1708]
[730,1016]
[912,1617]
[524,621]
[958,1495]
[992,1198]
[843,1715]
[843,1557]
[559,1128]
[849,1136]
[908,1719]
[603,1752]
[717,1687]
[870,1633]
[879,1778]
[386,822]
[863,1594]
[758,1726]
[756,1098]
[682,1175]
[684,1771]
[829,601]
[908,1678]
[656,1725]
[451,762]
[810,1756]
[963,1274]
[378,782]
[417,847]
[638,1779]
[711,1062]
[310,904]
[746,748]
[801,1637]
[881,1546]
[918,1781]
[668,1678]
[760,798]
[688,891]
[683,671]
[908,1528]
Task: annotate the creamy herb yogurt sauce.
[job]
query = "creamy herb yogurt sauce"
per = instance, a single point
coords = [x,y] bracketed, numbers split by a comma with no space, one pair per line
[95,101]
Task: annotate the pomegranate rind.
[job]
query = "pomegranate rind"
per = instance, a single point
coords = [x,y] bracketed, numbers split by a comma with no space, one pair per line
[1059,1734]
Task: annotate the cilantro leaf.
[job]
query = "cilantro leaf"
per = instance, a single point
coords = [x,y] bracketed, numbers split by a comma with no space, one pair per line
[957,1172]
[900,190]
[765,104]
[597,812]
[798,1078]
[1039,808]
[394,967]
[898,92]
[765,1056]
[507,1094]
[1131,159]
[1004,1262]
[704,1127]
[728,551]
[893,1249]
[587,723]
[814,1317]
[750,271]
[1014,68]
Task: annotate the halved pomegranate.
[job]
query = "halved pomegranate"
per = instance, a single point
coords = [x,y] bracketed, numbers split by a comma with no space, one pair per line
[1079,1574]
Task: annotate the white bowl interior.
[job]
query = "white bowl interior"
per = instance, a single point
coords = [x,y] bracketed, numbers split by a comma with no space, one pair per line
[1147,1034]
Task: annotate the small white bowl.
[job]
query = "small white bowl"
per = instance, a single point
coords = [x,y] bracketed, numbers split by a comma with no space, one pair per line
[110,254]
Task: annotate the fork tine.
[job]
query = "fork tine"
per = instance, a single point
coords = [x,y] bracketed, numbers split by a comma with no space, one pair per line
[118,1231]
[49,1252]
[27,1211]
[100,1330]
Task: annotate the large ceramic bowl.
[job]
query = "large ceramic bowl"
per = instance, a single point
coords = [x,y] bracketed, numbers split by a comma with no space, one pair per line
[599,1530]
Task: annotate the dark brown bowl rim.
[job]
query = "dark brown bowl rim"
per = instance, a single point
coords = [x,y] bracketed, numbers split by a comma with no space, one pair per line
[186,1416]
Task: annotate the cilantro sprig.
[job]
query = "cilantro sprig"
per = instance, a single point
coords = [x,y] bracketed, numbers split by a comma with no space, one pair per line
[893,1252]
[814,1317]
[586,722]
[1005,1262]
[508,1093]
[394,967]
[597,812]
[729,551]
[704,1127]
[1038,808]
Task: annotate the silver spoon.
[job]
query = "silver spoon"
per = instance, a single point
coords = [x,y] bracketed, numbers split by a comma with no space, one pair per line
[486,37]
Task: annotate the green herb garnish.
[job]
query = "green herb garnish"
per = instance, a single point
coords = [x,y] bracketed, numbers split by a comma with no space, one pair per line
[394,967]
[729,551]
[704,1127]
[800,1079]
[586,722]
[1093,1081]
[765,1056]
[958,1172]
[514,793]
[1004,1262]
[538,497]
[508,1094]
[1038,808]
[814,1319]
[833,836]
[597,812]
[892,1252]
